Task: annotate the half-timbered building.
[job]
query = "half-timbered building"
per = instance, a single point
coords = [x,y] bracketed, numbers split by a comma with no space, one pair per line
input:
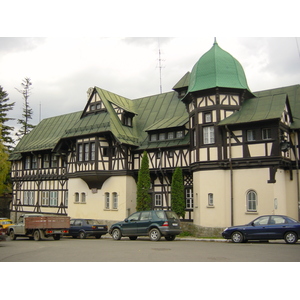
[238,150]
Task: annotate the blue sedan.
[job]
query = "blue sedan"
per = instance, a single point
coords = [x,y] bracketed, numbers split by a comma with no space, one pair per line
[83,228]
[270,227]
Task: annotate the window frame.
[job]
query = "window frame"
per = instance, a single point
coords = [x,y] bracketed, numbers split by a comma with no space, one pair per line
[208,135]
[251,202]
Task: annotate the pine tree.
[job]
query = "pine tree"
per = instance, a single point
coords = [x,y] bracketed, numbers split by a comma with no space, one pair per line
[5,107]
[143,199]
[177,193]
[27,111]
[4,167]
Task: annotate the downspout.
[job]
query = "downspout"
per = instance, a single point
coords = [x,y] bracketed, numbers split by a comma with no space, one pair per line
[231,177]
[296,151]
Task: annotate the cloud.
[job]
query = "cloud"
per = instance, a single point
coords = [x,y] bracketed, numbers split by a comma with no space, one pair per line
[19,44]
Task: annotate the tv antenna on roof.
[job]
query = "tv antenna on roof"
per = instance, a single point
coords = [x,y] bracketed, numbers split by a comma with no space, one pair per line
[160,67]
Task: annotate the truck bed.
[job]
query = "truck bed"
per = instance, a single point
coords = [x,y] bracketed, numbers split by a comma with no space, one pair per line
[47,222]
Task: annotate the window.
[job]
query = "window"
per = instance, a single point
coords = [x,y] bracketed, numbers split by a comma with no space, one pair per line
[158,201]
[54,161]
[208,135]
[28,198]
[162,136]
[46,162]
[128,121]
[189,199]
[115,200]
[210,199]
[250,135]
[264,220]
[27,163]
[86,151]
[93,147]
[80,152]
[179,134]
[66,198]
[107,204]
[83,198]
[145,215]
[53,198]
[207,117]
[45,198]
[34,162]
[266,133]
[77,197]
[251,201]
[170,135]
[153,137]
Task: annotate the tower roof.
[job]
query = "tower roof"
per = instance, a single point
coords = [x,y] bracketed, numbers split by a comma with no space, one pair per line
[217,68]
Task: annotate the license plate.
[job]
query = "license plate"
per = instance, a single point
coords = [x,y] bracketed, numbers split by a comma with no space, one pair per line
[175,224]
[100,227]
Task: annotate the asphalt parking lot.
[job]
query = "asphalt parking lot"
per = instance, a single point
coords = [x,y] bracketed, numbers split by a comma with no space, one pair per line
[143,250]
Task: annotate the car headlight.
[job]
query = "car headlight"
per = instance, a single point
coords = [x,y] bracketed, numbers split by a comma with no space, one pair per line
[225,228]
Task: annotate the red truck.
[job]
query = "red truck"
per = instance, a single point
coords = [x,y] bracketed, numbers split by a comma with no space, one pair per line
[38,226]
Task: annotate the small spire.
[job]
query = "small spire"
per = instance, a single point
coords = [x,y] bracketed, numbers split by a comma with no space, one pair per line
[215,41]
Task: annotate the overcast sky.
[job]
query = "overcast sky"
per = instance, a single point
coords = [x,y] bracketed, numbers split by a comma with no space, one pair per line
[76,54]
[62,69]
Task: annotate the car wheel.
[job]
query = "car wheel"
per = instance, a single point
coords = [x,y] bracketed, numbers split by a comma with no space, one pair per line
[133,238]
[154,234]
[237,237]
[170,237]
[56,237]
[116,234]
[37,235]
[12,235]
[290,237]
[82,235]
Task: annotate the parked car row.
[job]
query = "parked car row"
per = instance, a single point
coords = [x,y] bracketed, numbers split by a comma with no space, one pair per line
[158,223]
[154,223]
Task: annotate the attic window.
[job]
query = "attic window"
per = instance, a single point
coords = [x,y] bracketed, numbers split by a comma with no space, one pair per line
[162,136]
[127,119]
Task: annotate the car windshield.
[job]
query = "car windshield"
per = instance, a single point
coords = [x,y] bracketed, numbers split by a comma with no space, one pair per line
[92,222]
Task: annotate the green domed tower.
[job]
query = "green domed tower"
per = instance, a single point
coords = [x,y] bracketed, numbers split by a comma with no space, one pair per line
[216,89]
[217,68]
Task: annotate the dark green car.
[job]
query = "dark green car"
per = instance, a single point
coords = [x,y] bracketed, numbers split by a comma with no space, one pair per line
[154,223]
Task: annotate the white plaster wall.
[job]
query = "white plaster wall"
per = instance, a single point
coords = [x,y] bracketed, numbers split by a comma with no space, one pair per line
[218,183]
[94,207]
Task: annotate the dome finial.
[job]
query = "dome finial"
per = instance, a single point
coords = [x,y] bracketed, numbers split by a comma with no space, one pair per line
[215,41]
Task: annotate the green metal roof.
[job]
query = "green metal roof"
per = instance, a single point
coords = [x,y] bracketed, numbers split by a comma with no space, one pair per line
[217,68]
[158,110]
[183,82]
[257,109]
[293,93]
[47,133]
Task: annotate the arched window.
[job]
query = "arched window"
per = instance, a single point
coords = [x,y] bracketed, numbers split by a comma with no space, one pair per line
[107,204]
[76,197]
[251,201]
[83,197]
[115,200]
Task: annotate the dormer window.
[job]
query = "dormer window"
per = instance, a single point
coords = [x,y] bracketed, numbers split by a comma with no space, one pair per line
[127,119]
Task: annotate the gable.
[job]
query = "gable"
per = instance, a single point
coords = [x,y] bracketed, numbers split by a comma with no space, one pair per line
[259,109]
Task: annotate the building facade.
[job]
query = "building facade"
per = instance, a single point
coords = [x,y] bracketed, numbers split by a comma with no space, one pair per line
[238,150]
